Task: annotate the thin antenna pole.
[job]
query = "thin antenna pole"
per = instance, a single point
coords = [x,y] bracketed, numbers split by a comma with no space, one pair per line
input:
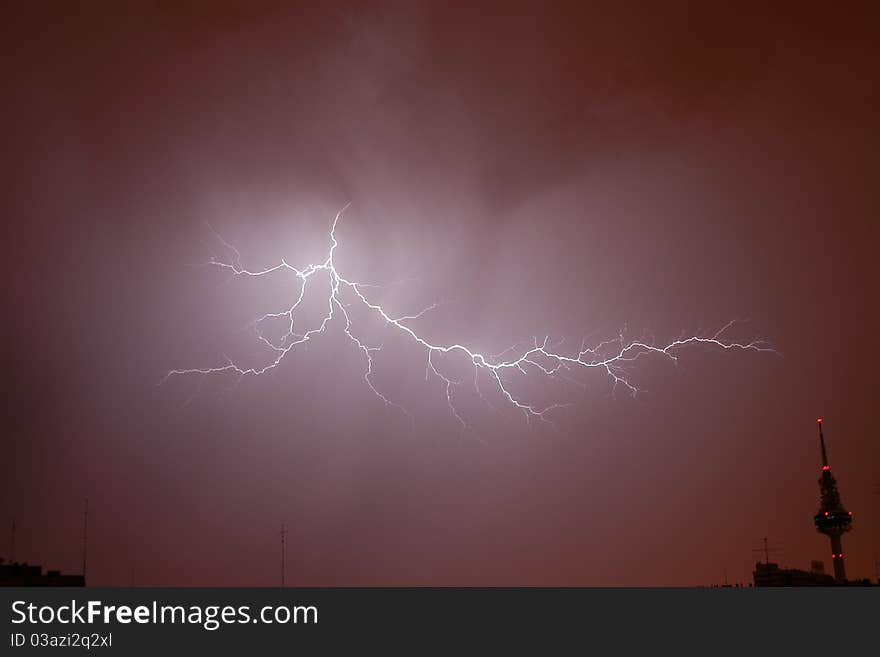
[822,443]
[283,535]
[85,537]
[765,549]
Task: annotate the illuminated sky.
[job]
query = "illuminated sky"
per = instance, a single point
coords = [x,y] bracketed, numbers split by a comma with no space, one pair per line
[564,173]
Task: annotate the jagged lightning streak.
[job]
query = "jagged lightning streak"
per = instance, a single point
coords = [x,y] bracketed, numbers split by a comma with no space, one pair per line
[613,357]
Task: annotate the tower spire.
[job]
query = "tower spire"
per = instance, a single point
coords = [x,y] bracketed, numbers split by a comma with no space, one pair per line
[822,443]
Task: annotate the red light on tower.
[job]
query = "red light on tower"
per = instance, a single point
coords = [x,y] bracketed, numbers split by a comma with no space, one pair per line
[819,420]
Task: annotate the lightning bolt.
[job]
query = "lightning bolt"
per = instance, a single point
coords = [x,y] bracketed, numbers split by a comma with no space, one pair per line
[614,357]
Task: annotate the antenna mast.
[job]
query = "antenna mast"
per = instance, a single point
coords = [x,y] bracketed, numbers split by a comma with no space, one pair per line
[12,543]
[85,537]
[766,549]
[283,536]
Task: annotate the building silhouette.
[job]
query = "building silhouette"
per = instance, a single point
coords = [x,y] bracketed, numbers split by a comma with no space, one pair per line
[767,573]
[833,519]
[22,574]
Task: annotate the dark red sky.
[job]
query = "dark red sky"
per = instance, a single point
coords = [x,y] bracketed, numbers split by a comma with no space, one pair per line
[544,171]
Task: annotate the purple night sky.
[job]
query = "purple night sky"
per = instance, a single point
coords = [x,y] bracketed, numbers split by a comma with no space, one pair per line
[564,172]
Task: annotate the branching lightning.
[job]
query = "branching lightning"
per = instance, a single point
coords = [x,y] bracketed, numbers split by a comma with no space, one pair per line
[539,357]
